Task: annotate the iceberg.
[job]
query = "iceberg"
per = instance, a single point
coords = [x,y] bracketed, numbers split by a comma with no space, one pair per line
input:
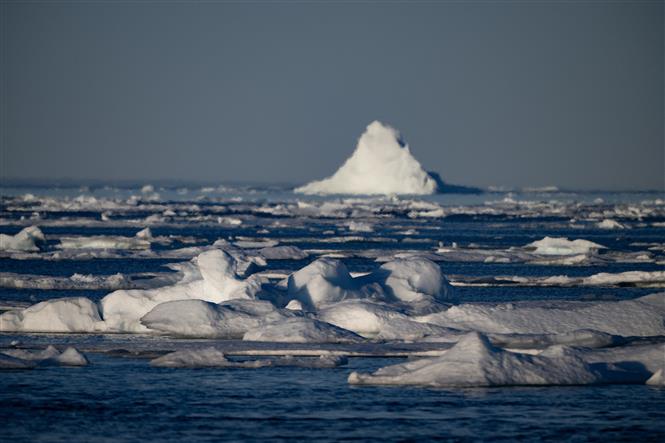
[381,164]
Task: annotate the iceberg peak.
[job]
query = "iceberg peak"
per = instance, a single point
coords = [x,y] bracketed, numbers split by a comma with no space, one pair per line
[381,164]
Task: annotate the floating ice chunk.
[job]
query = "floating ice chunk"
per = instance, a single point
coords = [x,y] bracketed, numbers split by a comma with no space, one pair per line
[211,277]
[357,226]
[474,361]
[200,319]
[218,269]
[283,253]
[197,358]
[563,246]
[204,358]
[294,305]
[323,281]
[76,281]
[381,164]
[414,279]
[639,317]
[76,314]
[213,358]
[657,379]
[610,224]
[380,321]
[363,317]
[145,233]
[104,242]
[301,330]
[634,277]
[583,337]
[29,240]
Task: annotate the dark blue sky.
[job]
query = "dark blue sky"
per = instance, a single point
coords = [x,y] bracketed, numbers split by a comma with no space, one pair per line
[486,93]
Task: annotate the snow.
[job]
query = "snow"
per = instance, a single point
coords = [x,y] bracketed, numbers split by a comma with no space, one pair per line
[474,361]
[381,164]
[563,246]
[28,239]
[301,330]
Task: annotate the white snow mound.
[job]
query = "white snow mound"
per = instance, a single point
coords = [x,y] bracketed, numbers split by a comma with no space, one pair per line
[381,164]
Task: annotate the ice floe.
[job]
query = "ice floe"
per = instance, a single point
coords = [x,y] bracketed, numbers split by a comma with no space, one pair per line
[211,357]
[474,361]
[28,359]
[563,246]
[28,239]
[638,317]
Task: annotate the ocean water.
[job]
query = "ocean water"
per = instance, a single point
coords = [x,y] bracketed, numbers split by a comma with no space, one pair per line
[122,398]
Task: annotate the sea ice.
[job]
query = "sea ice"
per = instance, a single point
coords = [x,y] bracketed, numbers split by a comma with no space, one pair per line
[474,361]
[201,319]
[75,314]
[638,317]
[211,277]
[301,330]
[563,246]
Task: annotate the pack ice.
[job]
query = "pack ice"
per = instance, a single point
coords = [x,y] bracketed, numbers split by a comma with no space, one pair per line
[381,164]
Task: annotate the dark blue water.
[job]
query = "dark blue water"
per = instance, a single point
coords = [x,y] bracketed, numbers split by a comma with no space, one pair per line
[122,400]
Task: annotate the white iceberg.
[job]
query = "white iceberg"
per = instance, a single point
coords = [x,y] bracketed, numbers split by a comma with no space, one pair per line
[29,240]
[381,164]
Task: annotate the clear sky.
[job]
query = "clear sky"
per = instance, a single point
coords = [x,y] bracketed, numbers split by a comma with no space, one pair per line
[485,93]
